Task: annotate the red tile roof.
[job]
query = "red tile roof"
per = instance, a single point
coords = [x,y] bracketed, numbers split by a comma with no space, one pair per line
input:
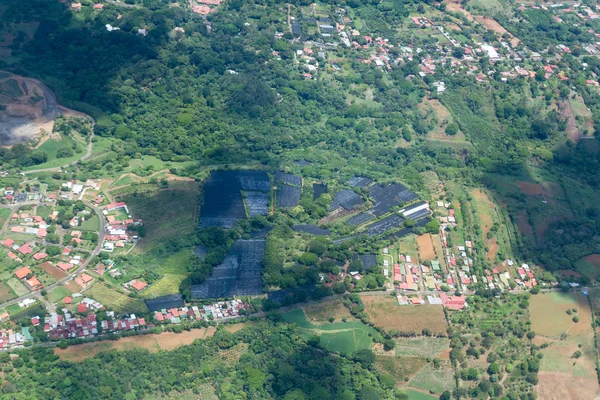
[25,249]
[23,272]
[8,242]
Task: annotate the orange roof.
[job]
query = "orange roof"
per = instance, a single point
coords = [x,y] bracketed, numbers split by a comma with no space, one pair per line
[25,249]
[23,272]
[39,256]
[8,242]
[33,282]
[67,300]
[139,285]
[86,278]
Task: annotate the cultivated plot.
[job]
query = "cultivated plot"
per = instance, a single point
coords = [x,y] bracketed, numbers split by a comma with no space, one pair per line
[359,219]
[388,196]
[257,203]
[223,204]
[240,273]
[288,196]
[347,199]
[312,229]
[377,228]
[290,179]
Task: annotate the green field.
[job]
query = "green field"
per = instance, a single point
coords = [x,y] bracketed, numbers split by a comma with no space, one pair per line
[342,337]
[421,346]
[414,395]
[432,380]
[166,214]
[18,287]
[114,300]
[91,224]
[4,214]
[52,146]
[44,211]
[57,294]
[168,284]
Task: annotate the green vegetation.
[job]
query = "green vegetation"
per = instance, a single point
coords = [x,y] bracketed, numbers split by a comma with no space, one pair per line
[273,350]
[114,300]
[341,337]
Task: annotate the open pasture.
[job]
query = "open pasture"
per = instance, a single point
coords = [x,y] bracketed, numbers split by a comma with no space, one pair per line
[341,337]
[563,376]
[386,313]
[548,313]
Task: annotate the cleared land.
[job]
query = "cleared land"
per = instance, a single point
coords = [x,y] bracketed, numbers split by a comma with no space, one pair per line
[115,300]
[426,251]
[423,346]
[342,337]
[548,313]
[385,312]
[561,375]
[589,266]
[54,272]
[153,343]
[19,288]
[321,312]
[487,212]
[434,380]
[6,293]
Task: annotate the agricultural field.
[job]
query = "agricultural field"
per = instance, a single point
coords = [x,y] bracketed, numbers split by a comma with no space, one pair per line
[589,266]
[341,337]
[114,300]
[490,222]
[422,346]
[492,332]
[401,368]
[434,380]
[17,286]
[549,313]
[386,313]
[426,249]
[408,246]
[6,292]
[168,284]
[417,395]
[152,342]
[567,370]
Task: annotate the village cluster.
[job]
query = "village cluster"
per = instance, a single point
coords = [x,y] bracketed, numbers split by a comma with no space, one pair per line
[86,321]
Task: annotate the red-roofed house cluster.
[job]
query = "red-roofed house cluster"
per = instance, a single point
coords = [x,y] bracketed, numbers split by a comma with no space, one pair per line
[220,310]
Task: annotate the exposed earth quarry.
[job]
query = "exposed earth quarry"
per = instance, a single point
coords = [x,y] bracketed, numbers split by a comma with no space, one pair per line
[26,107]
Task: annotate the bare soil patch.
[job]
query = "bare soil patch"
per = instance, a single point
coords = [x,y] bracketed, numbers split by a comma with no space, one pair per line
[492,24]
[426,251]
[233,328]
[593,259]
[566,112]
[563,386]
[73,287]
[54,272]
[153,343]
[385,312]
[321,312]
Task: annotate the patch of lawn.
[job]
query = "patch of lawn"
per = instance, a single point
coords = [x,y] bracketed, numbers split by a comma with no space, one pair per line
[433,380]
[415,395]
[57,294]
[91,224]
[44,211]
[168,284]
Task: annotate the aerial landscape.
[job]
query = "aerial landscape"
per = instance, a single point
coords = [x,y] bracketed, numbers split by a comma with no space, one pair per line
[344,199]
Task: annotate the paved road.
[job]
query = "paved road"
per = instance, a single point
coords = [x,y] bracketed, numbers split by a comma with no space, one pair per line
[83,266]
